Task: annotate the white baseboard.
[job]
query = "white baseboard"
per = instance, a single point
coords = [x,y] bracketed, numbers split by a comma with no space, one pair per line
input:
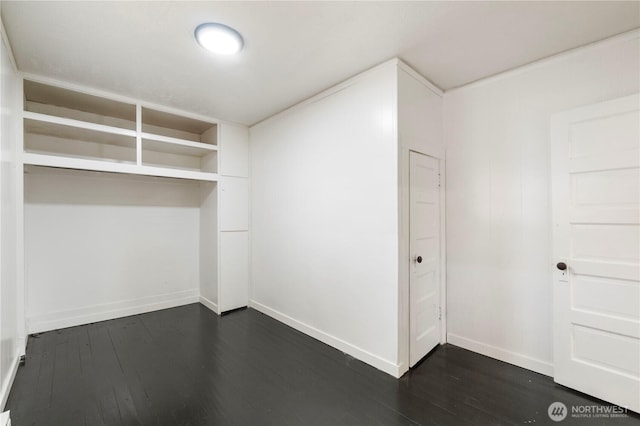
[356,352]
[521,360]
[5,419]
[209,304]
[22,346]
[5,387]
[71,318]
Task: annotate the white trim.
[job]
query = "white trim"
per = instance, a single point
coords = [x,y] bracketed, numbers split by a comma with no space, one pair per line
[250,214]
[107,311]
[346,347]
[515,358]
[443,251]
[138,134]
[21,286]
[630,35]
[6,386]
[209,304]
[5,418]
[7,44]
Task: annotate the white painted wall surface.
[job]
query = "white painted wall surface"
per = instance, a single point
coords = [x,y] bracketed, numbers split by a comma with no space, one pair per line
[419,130]
[324,221]
[100,246]
[419,114]
[11,346]
[499,279]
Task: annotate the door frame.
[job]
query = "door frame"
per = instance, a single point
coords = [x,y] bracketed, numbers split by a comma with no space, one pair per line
[405,259]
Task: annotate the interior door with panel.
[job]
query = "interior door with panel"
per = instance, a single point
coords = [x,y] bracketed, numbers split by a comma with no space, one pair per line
[596,246]
[424,237]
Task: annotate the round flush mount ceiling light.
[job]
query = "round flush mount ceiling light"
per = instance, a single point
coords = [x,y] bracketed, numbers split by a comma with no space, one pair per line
[219,38]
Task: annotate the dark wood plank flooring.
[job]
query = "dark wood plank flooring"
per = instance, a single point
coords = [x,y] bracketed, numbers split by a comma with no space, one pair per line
[187,366]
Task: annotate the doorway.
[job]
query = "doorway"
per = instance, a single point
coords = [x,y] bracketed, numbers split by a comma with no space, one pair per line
[425,252]
[595,163]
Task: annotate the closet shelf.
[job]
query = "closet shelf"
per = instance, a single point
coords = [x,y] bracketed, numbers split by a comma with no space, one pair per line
[51,125]
[114,167]
[175,146]
[69,129]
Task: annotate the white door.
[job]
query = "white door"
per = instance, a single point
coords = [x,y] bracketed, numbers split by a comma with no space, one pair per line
[596,189]
[424,234]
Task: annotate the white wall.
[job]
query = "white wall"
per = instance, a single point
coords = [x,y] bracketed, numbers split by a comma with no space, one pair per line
[498,213]
[419,130]
[324,203]
[101,245]
[11,343]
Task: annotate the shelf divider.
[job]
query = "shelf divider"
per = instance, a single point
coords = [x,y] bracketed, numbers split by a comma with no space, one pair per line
[138,134]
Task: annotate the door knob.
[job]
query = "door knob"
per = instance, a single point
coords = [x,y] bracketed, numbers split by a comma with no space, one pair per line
[562,266]
[419,259]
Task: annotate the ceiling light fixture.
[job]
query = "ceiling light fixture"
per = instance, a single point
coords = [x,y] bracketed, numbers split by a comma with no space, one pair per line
[219,38]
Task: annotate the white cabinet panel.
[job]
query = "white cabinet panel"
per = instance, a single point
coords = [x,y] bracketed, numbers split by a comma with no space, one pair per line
[234,203]
[234,151]
[234,270]
[209,243]
[233,211]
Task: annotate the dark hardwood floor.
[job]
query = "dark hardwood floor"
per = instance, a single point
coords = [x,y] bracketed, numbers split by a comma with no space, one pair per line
[186,366]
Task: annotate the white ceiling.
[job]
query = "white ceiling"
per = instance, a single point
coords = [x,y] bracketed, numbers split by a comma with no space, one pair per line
[292,50]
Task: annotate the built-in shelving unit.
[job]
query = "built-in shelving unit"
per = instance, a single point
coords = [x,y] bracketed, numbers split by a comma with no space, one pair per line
[178,142]
[167,224]
[71,129]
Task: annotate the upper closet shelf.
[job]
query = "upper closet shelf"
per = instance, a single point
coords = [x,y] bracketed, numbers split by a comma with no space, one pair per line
[70,124]
[72,129]
[176,146]
[113,167]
